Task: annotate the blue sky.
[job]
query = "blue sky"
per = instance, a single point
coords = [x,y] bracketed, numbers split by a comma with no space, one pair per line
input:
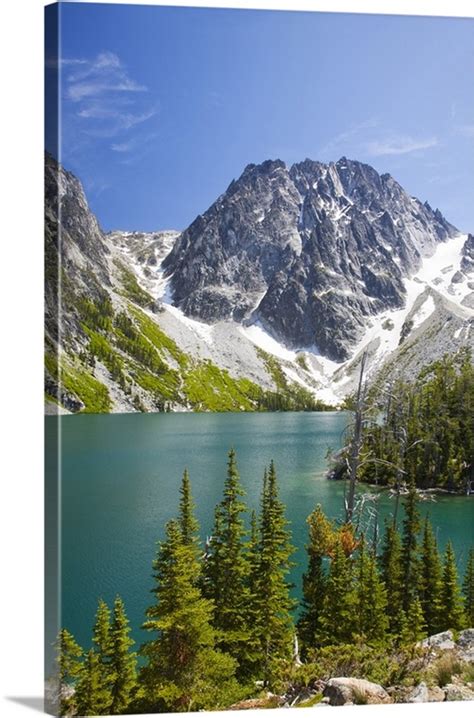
[163,107]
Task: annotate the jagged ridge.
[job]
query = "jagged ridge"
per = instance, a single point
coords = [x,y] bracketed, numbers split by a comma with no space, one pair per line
[311,252]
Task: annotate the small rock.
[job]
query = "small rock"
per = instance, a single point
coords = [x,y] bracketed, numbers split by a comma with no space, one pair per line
[419,694]
[456,692]
[457,278]
[345,691]
[436,694]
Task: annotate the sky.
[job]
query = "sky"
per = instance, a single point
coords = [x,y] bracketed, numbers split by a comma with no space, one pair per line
[160,108]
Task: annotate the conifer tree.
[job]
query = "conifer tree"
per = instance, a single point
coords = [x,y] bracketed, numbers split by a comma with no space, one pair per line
[371,597]
[468,589]
[321,540]
[273,604]
[410,560]
[338,620]
[452,609]
[430,579]
[96,685]
[413,624]
[187,521]
[392,574]
[69,662]
[251,611]
[69,655]
[123,662]
[253,556]
[182,671]
[226,570]
[101,637]
[93,696]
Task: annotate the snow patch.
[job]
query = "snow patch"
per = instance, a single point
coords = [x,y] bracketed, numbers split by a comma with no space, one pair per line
[262,339]
[424,311]
[200,329]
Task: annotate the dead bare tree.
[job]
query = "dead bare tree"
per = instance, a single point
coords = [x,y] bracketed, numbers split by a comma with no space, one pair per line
[356,443]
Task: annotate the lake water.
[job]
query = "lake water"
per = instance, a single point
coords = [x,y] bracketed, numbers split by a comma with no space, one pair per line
[120,480]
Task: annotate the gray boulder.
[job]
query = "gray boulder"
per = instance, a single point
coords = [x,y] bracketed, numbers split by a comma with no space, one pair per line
[440,641]
[425,694]
[347,691]
[455,692]
[419,694]
[466,638]
[465,644]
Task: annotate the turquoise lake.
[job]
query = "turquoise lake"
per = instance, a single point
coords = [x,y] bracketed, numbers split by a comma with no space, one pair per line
[120,480]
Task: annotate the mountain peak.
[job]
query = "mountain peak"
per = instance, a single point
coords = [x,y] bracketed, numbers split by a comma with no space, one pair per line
[310,252]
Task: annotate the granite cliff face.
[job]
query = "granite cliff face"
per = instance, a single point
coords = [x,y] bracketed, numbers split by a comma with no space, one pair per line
[310,252]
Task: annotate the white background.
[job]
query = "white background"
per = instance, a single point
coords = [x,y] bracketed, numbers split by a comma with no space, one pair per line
[21,270]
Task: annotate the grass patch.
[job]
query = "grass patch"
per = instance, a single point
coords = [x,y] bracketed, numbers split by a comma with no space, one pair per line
[445,668]
[301,361]
[163,387]
[157,337]
[273,367]
[88,389]
[209,388]
[310,702]
[288,396]
[132,289]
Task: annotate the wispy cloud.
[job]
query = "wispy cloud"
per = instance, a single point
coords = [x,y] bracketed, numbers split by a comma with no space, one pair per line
[342,141]
[466,130]
[399,145]
[103,75]
[103,101]
[54,63]
[370,138]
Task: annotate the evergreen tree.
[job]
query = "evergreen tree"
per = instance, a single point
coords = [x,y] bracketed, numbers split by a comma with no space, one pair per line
[338,620]
[101,637]
[452,610]
[410,559]
[69,661]
[273,605]
[93,696]
[69,657]
[392,574]
[253,558]
[413,624]
[187,521]
[182,671]
[468,589]
[321,540]
[226,570]
[251,611]
[123,662]
[371,597]
[430,579]
[431,435]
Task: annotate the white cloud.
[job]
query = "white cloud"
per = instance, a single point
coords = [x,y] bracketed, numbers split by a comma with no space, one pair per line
[102,100]
[345,140]
[95,78]
[123,146]
[399,145]
[466,130]
[55,62]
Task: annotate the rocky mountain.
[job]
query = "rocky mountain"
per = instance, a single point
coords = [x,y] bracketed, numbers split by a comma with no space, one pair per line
[267,301]
[311,252]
